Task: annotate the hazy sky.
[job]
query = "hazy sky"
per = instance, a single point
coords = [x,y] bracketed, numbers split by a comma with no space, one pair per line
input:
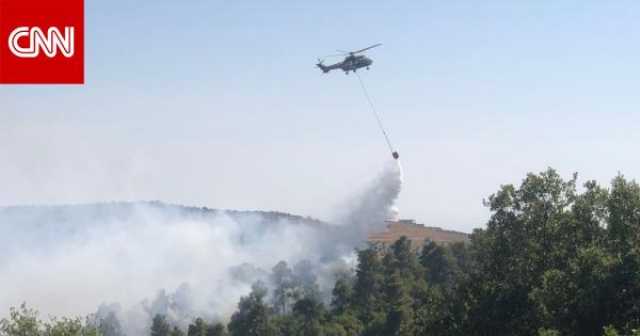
[218,103]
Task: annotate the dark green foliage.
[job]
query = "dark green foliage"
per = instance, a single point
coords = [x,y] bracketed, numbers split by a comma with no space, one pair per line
[342,295]
[282,279]
[624,215]
[437,264]
[400,315]
[253,315]
[348,324]
[160,326]
[285,325]
[404,260]
[216,329]
[200,327]
[432,312]
[310,313]
[176,332]
[367,291]
[551,261]
[197,328]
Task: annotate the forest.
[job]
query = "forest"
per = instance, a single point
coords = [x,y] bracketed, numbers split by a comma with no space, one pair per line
[554,258]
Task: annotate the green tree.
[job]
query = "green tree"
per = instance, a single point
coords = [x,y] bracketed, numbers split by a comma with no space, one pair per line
[282,279]
[64,327]
[367,290]
[310,312]
[22,321]
[432,314]
[253,315]
[305,279]
[197,328]
[609,331]
[436,262]
[160,326]
[548,332]
[522,241]
[350,324]
[109,325]
[624,215]
[176,331]
[400,320]
[286,325]
[341,295]
[216,329]
[405,259]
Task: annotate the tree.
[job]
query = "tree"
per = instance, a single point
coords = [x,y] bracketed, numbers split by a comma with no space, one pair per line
[64,327]
[197,328]
[216,329]
[176,331]
[436,263]
[22,322]
[341,295]
[624,215]
[405,259]
[305,279]
[609,331]
[400,316]
[551,261]
[432,312]
[368,285]
[310,312]
[349,324]
[253,315]
[523,239]
[160,326]
[109,325]
[282,279]
[286,325]
[548,332]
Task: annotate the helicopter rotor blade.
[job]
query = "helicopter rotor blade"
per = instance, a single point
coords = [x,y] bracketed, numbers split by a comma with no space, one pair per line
[343,53]
[367,48]
[334,55]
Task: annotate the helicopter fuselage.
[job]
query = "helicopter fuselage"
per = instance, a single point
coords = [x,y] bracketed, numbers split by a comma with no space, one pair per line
[350,63]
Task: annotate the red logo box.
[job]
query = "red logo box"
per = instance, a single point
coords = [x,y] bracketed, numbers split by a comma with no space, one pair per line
[41,41]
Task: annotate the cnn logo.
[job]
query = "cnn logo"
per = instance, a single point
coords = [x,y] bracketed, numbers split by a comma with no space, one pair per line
[38,42]
[42,42]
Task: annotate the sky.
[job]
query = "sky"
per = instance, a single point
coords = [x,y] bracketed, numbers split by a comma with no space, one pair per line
[219,104]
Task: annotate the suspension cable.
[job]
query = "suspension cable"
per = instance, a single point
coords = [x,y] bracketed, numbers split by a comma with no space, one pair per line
[375,113]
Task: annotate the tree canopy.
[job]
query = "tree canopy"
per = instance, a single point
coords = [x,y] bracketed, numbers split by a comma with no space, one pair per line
[553,259]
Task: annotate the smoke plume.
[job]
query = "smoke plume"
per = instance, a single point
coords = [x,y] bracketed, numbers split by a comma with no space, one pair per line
[133,260]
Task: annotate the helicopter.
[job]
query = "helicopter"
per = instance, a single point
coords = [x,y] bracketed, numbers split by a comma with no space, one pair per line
[352,61]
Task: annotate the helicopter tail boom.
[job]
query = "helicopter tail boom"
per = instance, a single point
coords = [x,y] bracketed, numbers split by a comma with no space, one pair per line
[323,67]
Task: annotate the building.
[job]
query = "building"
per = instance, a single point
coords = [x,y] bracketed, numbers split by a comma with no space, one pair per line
[417,233]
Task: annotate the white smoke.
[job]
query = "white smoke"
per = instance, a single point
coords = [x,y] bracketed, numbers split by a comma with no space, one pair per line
[70,260]
[370,208]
